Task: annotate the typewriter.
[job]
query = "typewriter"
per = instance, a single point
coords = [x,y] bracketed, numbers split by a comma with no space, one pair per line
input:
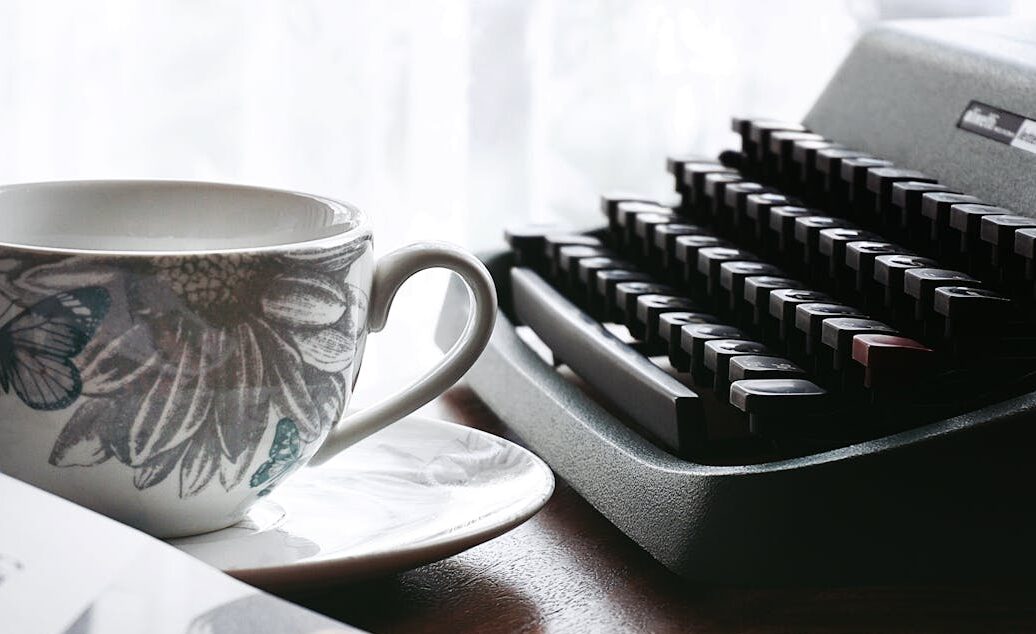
[817,360]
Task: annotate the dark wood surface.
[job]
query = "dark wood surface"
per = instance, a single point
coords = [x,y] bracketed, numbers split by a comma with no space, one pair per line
[569,569]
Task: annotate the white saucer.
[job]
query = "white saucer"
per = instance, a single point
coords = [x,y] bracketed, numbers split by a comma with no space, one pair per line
[415,492]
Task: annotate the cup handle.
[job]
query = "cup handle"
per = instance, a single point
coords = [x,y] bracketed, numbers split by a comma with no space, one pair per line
[392,270]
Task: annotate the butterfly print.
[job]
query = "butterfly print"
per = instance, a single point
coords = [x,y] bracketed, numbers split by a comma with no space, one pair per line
[285,451]
[38,344]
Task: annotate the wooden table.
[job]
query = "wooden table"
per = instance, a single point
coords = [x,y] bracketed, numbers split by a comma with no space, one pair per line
[569,569]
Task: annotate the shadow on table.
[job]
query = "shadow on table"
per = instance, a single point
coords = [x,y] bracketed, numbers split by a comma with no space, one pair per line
[435,597]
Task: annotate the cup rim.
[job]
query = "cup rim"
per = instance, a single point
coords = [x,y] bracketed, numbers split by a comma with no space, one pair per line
[360,229]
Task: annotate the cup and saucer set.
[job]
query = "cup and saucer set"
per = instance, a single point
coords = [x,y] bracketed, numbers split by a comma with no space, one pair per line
[180,356]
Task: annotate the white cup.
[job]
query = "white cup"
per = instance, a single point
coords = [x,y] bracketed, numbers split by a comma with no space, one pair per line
[171,351]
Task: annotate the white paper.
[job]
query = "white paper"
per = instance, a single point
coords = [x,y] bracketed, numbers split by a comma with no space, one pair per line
[65,569]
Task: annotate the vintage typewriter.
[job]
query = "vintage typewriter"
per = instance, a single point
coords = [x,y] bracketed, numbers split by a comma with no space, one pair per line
[817,361]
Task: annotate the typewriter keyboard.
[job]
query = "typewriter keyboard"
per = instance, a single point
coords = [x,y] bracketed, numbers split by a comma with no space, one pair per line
[793,296]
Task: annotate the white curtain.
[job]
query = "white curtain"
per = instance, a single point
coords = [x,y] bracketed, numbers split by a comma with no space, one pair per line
[443,119]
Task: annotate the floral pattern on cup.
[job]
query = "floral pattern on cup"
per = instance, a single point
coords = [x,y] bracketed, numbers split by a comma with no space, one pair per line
[174,364]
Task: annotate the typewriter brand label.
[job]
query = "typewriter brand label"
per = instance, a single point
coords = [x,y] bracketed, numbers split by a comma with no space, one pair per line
[1000,125]
[1026,137]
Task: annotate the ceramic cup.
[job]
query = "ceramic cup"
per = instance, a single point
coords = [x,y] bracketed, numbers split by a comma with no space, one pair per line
[171,351]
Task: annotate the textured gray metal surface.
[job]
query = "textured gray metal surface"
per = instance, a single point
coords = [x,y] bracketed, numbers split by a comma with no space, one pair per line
[928,503]
[901,91]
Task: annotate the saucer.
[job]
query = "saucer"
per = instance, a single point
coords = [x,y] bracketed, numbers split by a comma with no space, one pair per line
[415,492]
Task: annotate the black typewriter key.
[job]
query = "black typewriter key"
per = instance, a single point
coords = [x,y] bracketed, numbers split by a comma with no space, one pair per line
[527,242]
[588,268]
[804,152]
[644,227]
[693,181]
[837,334]
[906,205]
[834,242]
[732,276]
[736,201]
[719,352]
[784,302]
[998,232]
[804,161]
[888,274]
[860,256]
[810,317]
[967,310]
[686,253]
[906,195]
[891,361]
[665,240]
[715,194]
[610,205]
[553,243]
[587,271]
[782,143]
[607,281]
[736,193]
[674,164]
[966,221]
[778,407]
[757,294]
[782,223]
[760,131]
[757,366]
[857,198]
[709,261]
[1025,247]
[920,284]
[692,343]
[807,237]
[648,310]
[626,217]
[568,280]
[757,211]
[568,263]
[626,294]
[780,155]
[935,209]
[669,327]
[879,183]
[759,134]
[742,126]
[829,169]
